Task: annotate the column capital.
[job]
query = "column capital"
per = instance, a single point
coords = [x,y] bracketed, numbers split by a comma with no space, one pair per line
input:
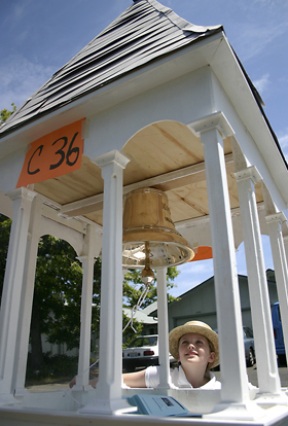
[216,120]
[276,217]
[114,156]
[84,257]
[23,193]
[248,173]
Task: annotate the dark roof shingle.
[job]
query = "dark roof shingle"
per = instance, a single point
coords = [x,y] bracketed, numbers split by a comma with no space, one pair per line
[142,33]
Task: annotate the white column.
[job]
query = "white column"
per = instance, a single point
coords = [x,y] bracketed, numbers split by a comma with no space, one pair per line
[28,293]
[234,379]
[108,393]
[267,369]
[13,290]
[88,260]
[162,308]
[285,239]
[274,222]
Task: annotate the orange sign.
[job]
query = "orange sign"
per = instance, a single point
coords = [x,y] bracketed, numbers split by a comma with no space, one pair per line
[55,154]
[202,253]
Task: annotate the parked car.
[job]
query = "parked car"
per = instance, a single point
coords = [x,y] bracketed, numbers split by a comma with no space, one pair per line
[249,348]
[278,334]
[142,353]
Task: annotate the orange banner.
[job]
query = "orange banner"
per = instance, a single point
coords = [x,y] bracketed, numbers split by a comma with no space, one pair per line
[202,253]
[53,155]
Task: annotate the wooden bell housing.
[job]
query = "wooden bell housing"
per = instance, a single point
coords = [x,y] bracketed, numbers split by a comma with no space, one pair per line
[147,225]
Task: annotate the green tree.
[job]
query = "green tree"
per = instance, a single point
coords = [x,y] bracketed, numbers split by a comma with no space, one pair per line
[57,293]
[5,113]
[5,226]
[133,294]
[57,296]
[133,287]
[57,287]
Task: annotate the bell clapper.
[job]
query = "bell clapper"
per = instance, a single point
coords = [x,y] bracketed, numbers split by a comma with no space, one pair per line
[147,273]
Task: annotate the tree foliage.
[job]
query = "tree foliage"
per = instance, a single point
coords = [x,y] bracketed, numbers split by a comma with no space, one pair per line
[136,294]
[5,226]
[133,287]
[57,292]
[5,113]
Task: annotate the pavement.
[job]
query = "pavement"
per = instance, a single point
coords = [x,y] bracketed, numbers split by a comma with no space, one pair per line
[283,373]
[48,387]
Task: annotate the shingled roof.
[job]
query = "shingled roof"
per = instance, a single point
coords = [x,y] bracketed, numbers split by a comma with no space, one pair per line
[146,31]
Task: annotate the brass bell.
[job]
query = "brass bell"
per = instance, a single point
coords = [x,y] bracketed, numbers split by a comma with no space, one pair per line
[149,235]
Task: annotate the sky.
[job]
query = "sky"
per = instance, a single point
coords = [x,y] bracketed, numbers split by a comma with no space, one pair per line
[39,36]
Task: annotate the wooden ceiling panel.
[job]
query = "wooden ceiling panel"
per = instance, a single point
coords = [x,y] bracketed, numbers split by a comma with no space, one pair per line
[188,202]
[165,155]
[96,217]
[82,183]
[160,148]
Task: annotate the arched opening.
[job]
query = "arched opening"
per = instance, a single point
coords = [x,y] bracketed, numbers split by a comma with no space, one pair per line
[55,321]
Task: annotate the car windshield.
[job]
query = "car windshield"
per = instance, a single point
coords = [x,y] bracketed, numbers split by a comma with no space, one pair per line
[144,341]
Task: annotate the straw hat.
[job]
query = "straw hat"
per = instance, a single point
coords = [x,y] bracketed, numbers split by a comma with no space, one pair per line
[198,327]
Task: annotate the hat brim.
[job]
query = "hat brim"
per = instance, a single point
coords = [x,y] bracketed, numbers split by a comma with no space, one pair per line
[194,327]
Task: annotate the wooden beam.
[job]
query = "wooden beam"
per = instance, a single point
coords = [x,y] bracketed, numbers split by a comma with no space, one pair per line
[166,181]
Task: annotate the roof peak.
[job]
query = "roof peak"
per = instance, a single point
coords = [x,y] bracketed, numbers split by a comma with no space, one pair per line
[144,32]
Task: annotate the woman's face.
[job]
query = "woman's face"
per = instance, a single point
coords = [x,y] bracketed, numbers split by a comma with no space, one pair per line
[194,349]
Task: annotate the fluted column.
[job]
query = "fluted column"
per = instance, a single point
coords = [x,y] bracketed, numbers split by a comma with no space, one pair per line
[10,317]
[275,222]
[285,239]
[108,393]
[212,130]
[87,259]
[27,295]
[162,309]
[267,369]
